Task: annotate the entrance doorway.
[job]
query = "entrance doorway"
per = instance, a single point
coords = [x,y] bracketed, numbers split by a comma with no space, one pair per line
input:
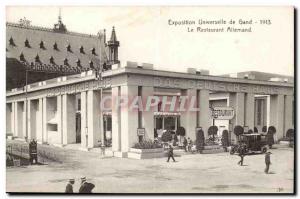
[107,130]
[164,122]
[78,127]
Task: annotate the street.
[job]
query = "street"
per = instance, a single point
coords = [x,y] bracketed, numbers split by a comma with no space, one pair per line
[192,173]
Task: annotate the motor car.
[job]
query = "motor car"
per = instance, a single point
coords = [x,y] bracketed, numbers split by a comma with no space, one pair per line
[254,143]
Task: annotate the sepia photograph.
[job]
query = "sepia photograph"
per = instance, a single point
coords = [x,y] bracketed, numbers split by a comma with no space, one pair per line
[150,99]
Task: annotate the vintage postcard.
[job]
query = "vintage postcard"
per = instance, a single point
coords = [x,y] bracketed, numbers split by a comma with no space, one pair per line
[157,99]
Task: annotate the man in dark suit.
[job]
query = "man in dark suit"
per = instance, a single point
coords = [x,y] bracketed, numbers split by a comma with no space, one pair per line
[170,153]
[86,187]
[69,187]
[185,142]
[268,161]
[241,153]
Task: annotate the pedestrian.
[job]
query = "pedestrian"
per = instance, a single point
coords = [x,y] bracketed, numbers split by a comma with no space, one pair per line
[241,154]
[268,161]
[69,187]
[170,153]
[85,186]
[102,150]
[185,144]
[189,144]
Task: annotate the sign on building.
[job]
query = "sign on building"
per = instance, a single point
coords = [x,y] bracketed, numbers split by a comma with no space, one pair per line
[141,132]
[222,113]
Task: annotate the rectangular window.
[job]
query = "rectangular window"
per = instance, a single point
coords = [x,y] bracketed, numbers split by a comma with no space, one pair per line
[259,111]
[79,105]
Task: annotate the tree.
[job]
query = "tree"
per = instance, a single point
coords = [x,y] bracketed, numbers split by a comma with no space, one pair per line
[166,136]
[180,131]
[250,131]
[290,134]
[225,139]
[200,140]
[264,129]
[212,131]
[255,130]
[155,133]
[270,135]
[238,130]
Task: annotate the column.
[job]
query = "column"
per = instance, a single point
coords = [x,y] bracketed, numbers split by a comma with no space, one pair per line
[236,100]
[277,115]
[204,112]
[69,119]
[93,118]
[288,115]
[129,120]
[84,125]
[31,121]
[44,120]
[60,122]
[116,121]
[8,118]
[189,118]
[13,119]
[39,121]
[19,119]
[249,110]
[148,116]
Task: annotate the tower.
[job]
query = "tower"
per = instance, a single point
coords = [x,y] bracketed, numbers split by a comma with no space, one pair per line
[60,27]
[113,46]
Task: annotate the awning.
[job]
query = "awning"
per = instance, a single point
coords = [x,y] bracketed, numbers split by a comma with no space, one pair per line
[166,114]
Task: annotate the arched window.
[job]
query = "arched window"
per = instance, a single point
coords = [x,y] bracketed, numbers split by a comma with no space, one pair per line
[37,58]
[42,46]
[81,49]
[66,62]
[78,63]
[11,42]
[69,48]
[93,51]
[22,58]
[51,60]
[55,47]
[27,43]
[91,64]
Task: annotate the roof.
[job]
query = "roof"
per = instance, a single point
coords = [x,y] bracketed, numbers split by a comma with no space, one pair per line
[19,33]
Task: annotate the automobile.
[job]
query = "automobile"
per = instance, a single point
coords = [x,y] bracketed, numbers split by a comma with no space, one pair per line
[254,143]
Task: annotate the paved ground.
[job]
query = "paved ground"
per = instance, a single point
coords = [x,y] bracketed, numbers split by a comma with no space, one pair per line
[195,173]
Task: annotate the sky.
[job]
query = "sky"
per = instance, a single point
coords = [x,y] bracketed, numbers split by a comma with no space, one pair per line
[146,37]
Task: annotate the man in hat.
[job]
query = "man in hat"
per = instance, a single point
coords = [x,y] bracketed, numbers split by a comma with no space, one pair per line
[268,161]
[69,187]
[170,153]
[241,151]
[85,186]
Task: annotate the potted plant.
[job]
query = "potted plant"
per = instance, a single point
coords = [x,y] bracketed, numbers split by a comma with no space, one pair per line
[225,140]
[270,136]
[290,137]
[200,140]
[238,130]
[181,133]
[146,149]
[264,129]
[213,131]
[166,137]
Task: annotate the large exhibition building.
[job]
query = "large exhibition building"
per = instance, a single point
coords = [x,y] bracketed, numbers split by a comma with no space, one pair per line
[101,100]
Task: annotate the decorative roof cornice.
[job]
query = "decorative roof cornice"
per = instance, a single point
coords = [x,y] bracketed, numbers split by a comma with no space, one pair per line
[39,28]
